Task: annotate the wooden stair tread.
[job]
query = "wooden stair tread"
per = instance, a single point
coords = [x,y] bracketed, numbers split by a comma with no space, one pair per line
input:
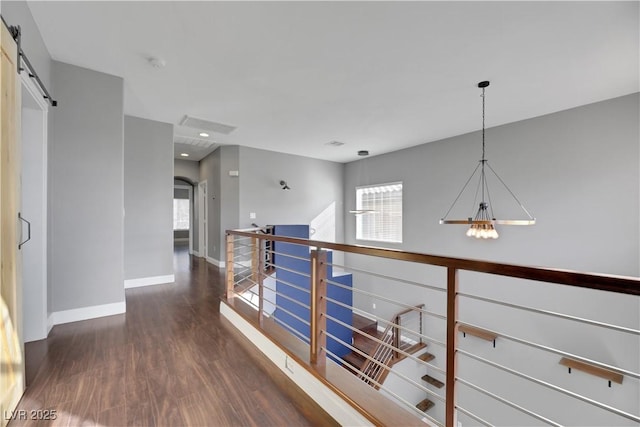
[592,369]
[244,285]
[355,360]
[425,405]
[478,332]
[426,357]
[364,343]
[364,324]
[433,381]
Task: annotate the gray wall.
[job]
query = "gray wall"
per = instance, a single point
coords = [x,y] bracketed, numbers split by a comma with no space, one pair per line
[316,188]
[187,169]
[86,169]
[572,169]
[578,173]
[316,192]
[148,201]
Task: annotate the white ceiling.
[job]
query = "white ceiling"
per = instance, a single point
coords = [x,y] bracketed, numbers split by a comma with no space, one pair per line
[293,76]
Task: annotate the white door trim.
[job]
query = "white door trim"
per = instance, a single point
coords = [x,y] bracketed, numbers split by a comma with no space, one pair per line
[203,220]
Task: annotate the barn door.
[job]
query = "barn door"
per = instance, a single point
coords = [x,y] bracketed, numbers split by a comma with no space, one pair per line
[11,354]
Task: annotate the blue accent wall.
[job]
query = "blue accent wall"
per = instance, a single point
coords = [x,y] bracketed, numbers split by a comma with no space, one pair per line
[296,301]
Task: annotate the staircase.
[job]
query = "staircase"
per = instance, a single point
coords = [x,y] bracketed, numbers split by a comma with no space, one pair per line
[368,340]
[362,341]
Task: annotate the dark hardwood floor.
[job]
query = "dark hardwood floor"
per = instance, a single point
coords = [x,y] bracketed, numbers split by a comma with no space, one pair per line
[170,360]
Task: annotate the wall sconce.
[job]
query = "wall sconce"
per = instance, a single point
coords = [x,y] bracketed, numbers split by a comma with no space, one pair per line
[284,185]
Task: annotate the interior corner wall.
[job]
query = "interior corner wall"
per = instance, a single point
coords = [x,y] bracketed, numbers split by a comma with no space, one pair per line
[222,197]
[316,191]
[148,195]
[86,170]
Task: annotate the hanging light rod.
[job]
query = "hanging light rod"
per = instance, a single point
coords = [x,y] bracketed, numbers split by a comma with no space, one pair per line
[482,224]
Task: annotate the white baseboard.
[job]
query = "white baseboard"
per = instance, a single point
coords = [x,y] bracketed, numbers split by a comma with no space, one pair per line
[194,253]
[148,281]
[219,264]
[84,313]
[50,323]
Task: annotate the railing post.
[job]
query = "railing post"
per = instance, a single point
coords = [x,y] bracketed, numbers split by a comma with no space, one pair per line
[420,320]
[229,266]
[260,273]
[318,303]
[452,345]
[255,257]
[396,338]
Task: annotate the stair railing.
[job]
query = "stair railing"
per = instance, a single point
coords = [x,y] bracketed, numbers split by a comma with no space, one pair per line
[397,330]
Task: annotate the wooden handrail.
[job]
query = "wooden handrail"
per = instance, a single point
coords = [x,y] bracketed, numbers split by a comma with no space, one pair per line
[618,284]
[408,310]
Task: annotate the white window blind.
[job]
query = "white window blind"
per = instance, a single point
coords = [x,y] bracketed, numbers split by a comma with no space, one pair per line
[180,214]
[382,217]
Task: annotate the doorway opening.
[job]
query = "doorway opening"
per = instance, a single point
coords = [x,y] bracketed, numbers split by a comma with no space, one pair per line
[182,213]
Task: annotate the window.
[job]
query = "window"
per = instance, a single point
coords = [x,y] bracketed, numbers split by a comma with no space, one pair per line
[180,214]
[382,217]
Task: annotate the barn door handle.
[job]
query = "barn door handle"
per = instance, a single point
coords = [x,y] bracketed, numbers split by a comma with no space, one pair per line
[28,231]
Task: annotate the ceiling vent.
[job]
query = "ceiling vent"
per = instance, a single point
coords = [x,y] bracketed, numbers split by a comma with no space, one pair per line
[196,123]
[196,142]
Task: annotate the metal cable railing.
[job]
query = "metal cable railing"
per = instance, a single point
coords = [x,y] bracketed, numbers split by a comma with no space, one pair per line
[313,284]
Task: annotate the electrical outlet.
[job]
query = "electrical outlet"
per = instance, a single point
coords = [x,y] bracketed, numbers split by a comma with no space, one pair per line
[252,215]
[288,364]
[374,305]
[459,423]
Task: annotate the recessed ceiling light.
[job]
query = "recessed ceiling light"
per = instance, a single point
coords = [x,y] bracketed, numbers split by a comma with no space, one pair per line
[184,154]
[204,134]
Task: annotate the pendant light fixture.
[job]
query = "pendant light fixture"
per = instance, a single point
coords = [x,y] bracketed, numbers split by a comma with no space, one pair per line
[362,153]
[482,225]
